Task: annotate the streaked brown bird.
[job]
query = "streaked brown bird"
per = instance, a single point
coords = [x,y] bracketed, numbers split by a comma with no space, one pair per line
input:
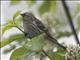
[32,26]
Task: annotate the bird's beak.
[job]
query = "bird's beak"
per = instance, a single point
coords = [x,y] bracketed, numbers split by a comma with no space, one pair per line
[22,14]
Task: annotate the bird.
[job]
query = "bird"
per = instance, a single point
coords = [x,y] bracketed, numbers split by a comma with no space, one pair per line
[34,27]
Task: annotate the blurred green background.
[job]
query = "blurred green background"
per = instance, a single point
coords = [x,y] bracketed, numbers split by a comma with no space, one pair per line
[15,46]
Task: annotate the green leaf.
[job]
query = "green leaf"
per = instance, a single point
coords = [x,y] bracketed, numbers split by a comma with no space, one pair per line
[59,55]
[61,51]
[36,43]
[25,56]
[18,52]
[15,2]
[16,14]
[10,24]
[7,27]
[64,34]
[10,39]
[53,7]
[9,49]
[47,6]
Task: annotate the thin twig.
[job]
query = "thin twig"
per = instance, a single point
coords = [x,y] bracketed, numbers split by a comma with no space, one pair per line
[70,21]
[18,27]
[46,54]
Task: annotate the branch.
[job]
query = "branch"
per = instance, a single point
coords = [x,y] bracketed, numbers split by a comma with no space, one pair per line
[46,54]
[70,21]
[18,27]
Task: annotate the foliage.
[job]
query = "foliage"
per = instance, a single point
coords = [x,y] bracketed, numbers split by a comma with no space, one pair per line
[47,6]
[10,39]
[34,46]
[7,27]
[7,50]
[11,23]
[59,54]
[18,52]
[16,14]
[15,2]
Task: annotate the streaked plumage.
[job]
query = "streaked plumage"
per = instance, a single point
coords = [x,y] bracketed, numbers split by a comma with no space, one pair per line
[32,26]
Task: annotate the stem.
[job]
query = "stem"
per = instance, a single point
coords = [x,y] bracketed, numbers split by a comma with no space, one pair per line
[70,21]
[18,27]
[46,54]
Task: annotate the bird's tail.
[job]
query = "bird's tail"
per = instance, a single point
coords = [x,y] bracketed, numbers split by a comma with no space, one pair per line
[53,39]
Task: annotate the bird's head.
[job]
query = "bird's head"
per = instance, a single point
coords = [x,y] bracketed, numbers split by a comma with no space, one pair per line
[27,16]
